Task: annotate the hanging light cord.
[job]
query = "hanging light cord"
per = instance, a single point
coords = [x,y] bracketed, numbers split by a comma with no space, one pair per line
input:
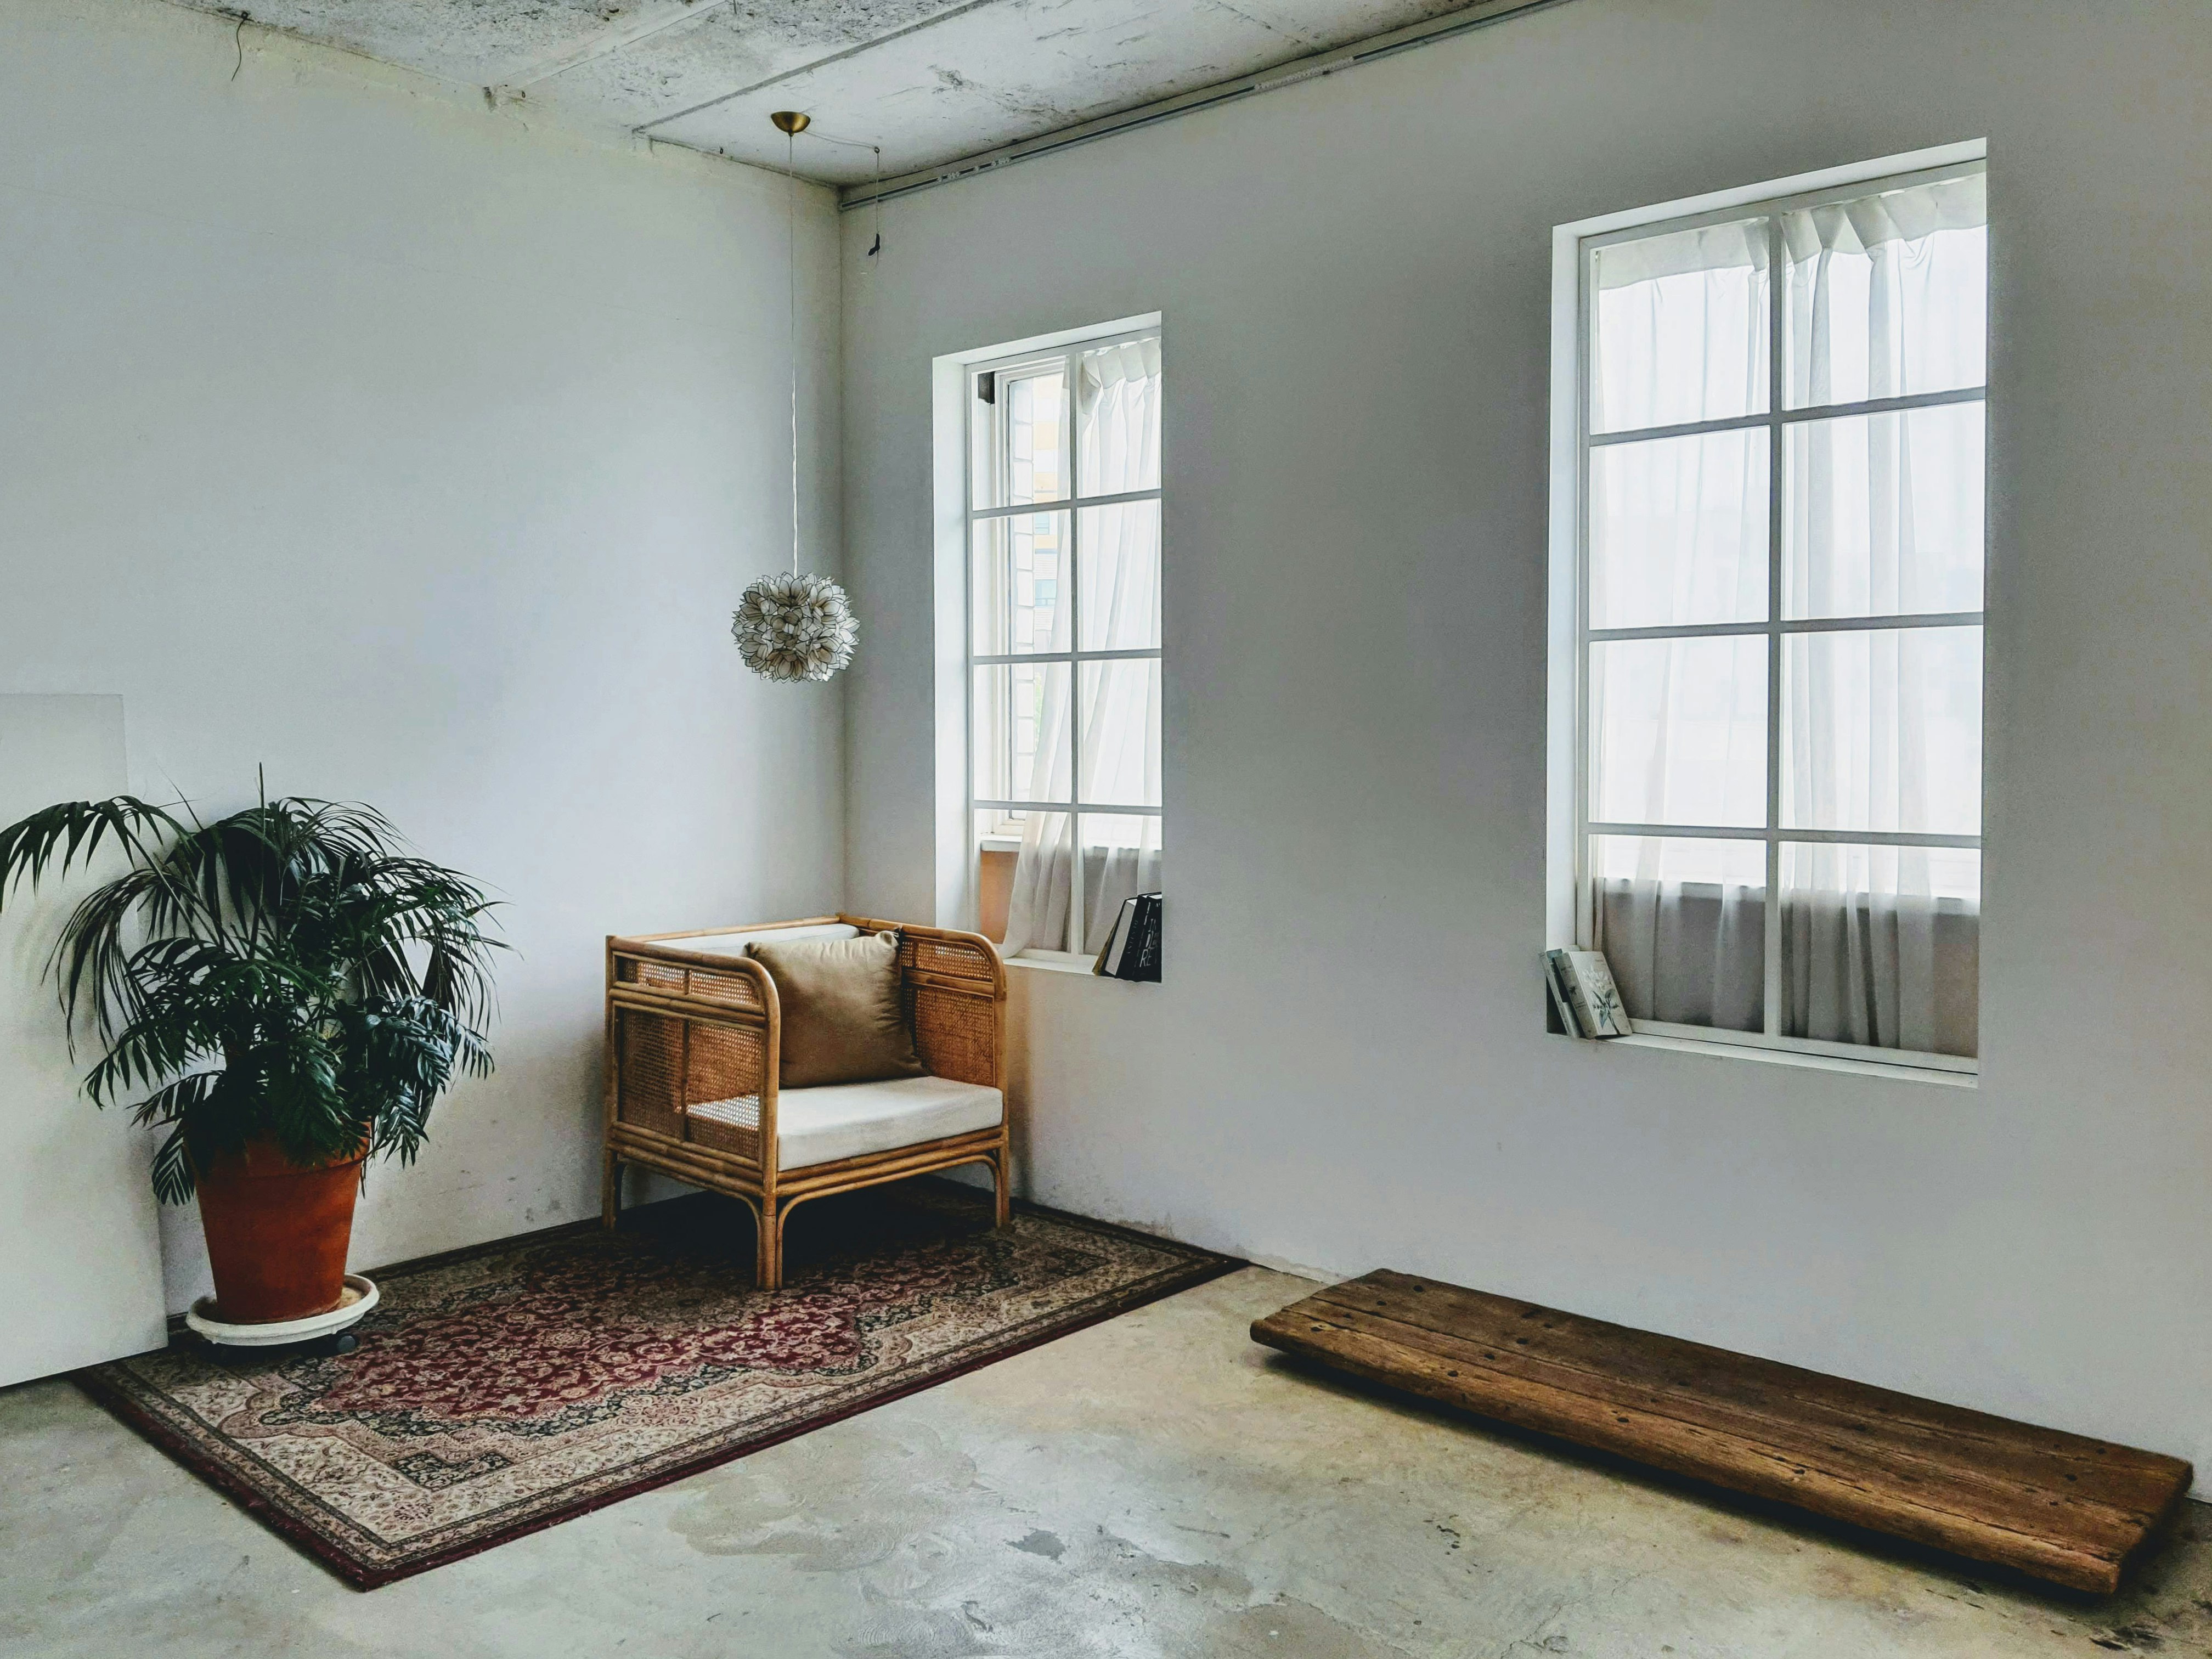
[791,285]
[791,275]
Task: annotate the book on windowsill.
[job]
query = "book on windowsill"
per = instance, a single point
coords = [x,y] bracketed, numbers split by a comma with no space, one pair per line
[1141,961]
[1110,954]
[1555,984]
[1583,982]
[1132,949]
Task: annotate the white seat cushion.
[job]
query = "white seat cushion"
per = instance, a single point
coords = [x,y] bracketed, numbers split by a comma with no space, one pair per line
[733,944]
[850,1120]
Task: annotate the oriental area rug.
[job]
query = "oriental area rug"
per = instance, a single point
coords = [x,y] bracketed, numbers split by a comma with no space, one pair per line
[505,1388]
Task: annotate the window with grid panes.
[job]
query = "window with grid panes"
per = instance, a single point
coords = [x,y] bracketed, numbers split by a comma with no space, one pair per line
[1778,485]
[1064,633]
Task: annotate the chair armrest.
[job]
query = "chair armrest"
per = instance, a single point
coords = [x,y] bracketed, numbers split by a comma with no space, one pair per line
[686,1028]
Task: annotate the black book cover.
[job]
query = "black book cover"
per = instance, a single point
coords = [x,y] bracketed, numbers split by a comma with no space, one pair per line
[1140,958]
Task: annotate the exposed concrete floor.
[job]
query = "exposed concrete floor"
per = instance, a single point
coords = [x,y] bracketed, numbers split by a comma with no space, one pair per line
[1155,1485]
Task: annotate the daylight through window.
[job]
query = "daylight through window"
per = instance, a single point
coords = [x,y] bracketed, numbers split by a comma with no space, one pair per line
[1780,481]
[1064,633]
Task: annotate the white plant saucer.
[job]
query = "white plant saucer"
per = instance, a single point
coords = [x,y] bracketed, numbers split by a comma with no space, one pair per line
[354,1301]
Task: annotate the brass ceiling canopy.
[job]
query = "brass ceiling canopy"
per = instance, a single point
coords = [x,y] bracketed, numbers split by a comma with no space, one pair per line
[792,121]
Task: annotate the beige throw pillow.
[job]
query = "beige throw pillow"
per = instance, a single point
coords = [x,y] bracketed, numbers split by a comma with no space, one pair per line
[843,1020]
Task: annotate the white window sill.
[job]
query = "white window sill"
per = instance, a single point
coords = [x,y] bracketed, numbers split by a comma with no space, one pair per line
[1887,1069]
[1063,961]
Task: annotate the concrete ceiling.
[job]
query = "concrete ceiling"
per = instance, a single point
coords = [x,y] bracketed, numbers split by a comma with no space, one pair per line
[931,81]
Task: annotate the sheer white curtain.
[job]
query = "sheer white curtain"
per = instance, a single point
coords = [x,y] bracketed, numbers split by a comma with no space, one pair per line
[1886,298]
[1118,570]
[1678,536]
[1883,297]
[1037,909]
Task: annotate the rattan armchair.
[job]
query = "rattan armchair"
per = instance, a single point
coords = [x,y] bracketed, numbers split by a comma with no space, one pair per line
[693,1049]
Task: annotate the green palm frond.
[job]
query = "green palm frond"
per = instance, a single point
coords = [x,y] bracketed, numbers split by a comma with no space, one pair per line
[75,829]
[172,1169]
[290,972]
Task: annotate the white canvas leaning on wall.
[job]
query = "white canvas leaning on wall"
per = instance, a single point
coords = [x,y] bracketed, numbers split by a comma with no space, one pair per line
[80,1246]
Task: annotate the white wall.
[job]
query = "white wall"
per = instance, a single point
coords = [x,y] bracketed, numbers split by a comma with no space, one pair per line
[79,1242]
[350,428]
[1346,1065]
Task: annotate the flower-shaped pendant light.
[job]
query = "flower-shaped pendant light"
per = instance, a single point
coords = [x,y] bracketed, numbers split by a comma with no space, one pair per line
[794,627]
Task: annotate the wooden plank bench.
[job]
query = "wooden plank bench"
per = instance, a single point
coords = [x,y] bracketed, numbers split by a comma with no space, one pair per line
[2075,1511]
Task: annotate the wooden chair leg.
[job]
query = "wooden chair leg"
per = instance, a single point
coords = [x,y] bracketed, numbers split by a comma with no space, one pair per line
[611,1176]
[768,1255]
[1002,1184]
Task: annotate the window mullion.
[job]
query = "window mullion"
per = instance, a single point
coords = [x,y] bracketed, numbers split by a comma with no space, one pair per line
[1131,653]
[974,883]
[1777,346]
[1795,833]
[1073,575]
[1907,620]
[1002,462]
[1585,876]
[1062,504]
[1898,406]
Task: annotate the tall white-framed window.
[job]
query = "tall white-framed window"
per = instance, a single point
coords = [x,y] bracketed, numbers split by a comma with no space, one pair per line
[1768,552]
[1063,539]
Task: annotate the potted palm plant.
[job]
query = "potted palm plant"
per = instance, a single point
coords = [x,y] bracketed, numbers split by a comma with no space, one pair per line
[287,991]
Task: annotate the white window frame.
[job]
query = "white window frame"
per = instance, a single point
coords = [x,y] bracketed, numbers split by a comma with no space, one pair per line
[1569,892]
[958,377]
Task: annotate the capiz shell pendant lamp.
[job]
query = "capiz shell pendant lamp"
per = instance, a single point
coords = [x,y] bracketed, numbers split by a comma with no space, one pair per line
[793,627]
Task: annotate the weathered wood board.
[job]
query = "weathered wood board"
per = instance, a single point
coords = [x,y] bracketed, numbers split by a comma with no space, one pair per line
[2075,1511]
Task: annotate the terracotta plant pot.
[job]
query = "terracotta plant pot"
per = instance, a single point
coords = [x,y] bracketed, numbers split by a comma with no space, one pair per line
[276,1233]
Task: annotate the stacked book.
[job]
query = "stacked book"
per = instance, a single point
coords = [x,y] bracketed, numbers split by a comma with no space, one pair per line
[1582,985]
[1132,949]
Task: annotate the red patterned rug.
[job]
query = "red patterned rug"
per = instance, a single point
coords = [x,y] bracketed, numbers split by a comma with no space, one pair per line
[507,1388]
